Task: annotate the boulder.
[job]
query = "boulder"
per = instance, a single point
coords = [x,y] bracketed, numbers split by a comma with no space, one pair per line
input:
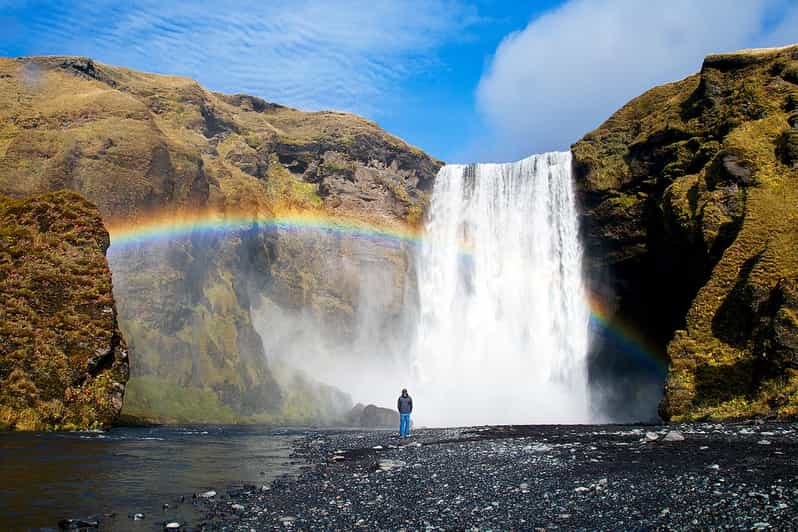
[372,417]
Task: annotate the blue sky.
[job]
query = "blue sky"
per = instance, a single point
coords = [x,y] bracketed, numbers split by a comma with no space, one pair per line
[463,80]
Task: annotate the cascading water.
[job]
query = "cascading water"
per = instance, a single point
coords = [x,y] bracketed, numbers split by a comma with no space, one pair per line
[503,327]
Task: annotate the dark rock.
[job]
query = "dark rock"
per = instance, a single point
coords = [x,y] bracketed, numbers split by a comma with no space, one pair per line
[78,524]
[788,147]
[373,416]
[729,167]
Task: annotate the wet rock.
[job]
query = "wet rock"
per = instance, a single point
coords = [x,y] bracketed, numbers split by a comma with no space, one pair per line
[206,494]
[651,436]
[238,507]
[138,516]
[173,525]
[78,524]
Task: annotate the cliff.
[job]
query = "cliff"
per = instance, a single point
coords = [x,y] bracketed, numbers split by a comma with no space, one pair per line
[690,196]
[63,361]
[143,146]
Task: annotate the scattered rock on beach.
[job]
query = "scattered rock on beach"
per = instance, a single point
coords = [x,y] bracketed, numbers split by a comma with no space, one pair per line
[673,435]
[78,524]
[387,465]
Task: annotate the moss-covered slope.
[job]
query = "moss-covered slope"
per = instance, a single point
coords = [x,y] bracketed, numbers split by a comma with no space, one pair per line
[140,145]
[63,361]
[691,210]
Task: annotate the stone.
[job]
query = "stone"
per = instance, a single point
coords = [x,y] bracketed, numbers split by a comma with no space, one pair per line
[651,436]
[78,524]
[388,465]
[207,494]
[673,435]
[174,525]
[374,416]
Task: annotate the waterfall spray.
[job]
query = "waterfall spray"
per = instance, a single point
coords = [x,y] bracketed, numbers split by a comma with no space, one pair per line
[503,326]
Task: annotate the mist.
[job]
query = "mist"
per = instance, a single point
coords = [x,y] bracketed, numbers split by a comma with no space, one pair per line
[485,321]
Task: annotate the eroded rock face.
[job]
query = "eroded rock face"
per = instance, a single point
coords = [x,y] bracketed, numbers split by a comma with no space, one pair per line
[138,146]
[690,195]
[63,360]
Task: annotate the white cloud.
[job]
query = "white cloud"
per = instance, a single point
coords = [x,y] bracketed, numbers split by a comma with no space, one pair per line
[311,54]
[569,69]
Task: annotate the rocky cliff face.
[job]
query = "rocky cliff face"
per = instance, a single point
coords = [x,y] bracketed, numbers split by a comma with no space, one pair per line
[141,145]
[63,361]
[690,194]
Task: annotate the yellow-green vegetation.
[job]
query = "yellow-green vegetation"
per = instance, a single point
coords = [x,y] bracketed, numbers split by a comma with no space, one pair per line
[138,145]
[149,398]
[712,244]
[63,362]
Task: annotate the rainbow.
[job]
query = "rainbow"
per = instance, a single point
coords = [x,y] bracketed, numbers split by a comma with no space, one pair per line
[624,336]
[163,227]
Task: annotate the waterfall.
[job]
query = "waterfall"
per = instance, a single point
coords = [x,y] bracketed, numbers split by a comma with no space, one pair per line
[503,317]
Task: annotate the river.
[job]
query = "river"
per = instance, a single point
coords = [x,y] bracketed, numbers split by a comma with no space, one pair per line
[46,477]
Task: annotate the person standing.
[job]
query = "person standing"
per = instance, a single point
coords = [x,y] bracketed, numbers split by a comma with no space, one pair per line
[405,406]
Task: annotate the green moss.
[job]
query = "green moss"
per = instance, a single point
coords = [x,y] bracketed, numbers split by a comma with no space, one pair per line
[707,151]
[56,314]
[154,399]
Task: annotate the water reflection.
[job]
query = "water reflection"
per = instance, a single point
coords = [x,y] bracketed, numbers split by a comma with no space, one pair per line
[48,477]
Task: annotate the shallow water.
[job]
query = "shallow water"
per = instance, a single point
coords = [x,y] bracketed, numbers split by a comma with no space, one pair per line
[46,477]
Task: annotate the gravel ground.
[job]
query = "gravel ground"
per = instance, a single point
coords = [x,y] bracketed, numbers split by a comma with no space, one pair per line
[740,476]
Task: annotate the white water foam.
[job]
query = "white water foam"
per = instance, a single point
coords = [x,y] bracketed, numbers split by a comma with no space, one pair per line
[503,327]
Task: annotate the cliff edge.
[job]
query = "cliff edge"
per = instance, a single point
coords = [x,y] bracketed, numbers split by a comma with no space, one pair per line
[63,361]
[690,196]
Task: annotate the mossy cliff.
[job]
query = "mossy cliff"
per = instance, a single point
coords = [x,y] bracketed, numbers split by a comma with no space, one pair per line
[690,196]
[63,361]
[140,145]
